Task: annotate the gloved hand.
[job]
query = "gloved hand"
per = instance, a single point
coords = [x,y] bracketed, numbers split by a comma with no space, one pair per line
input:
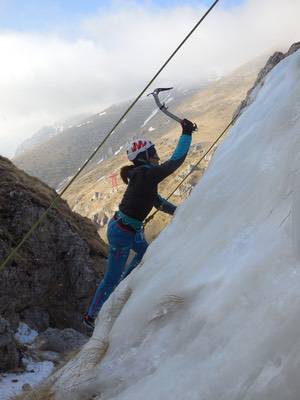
[187,127]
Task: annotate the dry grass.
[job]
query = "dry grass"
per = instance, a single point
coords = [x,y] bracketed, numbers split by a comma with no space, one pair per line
[43,392]
[212,108]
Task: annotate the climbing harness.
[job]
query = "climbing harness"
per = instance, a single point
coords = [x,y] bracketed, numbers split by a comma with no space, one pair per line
[164,108]
[14,251]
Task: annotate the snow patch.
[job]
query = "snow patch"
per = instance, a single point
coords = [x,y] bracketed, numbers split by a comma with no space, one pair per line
[64,182]
[11,383]
[83,124]
[168,100]
[24,334]
[149,118]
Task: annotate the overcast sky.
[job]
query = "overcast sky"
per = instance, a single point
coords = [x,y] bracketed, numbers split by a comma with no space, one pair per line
[67,57]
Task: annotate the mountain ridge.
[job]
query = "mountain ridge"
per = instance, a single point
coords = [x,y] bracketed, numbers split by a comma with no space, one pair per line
[62,155]
[92,194]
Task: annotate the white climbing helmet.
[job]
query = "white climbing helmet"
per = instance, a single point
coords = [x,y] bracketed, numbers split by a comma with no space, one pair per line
[137,147]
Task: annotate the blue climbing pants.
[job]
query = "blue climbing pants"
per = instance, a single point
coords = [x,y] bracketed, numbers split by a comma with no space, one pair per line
[121,241]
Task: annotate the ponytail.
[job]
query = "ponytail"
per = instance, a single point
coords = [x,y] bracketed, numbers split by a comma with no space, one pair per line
[124,172]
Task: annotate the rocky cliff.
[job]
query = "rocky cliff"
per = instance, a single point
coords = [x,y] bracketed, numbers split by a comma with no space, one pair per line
[52,278]
[259,82]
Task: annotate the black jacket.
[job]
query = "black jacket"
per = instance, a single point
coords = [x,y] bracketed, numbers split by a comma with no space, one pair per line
[141,194]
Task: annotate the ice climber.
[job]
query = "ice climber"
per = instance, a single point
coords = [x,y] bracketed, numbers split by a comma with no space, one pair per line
[125,229]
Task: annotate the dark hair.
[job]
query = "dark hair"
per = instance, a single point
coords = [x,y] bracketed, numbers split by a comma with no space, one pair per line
[152,152]
[124,172]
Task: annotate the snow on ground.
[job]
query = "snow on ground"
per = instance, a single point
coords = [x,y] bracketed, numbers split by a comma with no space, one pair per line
[120,149]
[83,124]
[213,311]
[24,334]
[169,99]
[11,384]
[150,117]
[63,183]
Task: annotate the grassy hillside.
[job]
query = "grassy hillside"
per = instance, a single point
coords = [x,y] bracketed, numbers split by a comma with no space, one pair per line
[61,155]
[211,108]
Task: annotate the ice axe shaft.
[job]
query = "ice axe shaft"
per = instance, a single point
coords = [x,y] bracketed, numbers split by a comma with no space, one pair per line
[163,107]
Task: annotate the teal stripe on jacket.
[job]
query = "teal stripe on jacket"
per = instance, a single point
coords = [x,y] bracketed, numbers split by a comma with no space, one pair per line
[182,147]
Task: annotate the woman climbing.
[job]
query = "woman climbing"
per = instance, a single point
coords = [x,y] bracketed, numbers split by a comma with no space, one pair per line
[125,229]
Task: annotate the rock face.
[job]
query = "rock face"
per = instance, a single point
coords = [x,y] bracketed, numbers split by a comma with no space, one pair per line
[60,341]
[271,63]
[53,276]
[9,353]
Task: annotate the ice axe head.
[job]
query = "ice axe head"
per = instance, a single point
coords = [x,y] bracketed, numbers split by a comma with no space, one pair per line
[162,89]
[163,107]
[158,90]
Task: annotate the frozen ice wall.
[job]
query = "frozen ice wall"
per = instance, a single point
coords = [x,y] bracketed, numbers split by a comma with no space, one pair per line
[213,313]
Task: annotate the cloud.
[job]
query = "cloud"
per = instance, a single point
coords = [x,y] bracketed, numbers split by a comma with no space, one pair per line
[114,53]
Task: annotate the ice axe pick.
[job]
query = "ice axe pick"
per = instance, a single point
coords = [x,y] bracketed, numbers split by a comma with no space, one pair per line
[164,108]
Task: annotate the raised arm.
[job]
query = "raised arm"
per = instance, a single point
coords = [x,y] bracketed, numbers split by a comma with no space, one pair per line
[160,172]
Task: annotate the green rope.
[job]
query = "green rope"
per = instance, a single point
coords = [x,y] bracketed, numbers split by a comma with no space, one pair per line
[147,220]
[14,251]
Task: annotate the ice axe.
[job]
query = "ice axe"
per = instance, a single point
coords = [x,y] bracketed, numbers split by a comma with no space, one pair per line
[164,108]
